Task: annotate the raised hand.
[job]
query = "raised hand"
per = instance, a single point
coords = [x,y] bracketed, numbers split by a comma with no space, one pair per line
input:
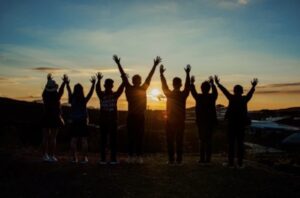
[49,76]
[117,59]
[211,80]
[254,82]
[99,75]
[157,60]
[187,69]
[93,79]
[162,69]
[65,79]
[217,79]
[193,79]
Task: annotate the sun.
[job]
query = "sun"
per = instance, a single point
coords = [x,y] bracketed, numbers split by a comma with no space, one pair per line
[156,95]
[155,92]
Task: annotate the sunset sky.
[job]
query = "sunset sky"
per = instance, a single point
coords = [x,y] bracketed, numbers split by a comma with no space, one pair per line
[236,39]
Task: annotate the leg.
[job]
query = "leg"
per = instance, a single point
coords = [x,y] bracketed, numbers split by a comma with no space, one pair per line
[231,145]
[84,143]
[53,135]
[140,135]
[201,141]
[46,136]
[240,146]
[179,142]
[113,142]
[130,130]
[74,148]
[103,142]
[208,144]
[170,141]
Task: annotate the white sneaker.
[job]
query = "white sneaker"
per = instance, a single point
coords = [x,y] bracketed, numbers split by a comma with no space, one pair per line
[46,158]
[140,160]
[114,162]
[74,161]
[53,159]
[100,162]
[85,160]
[241,167]
[130,160]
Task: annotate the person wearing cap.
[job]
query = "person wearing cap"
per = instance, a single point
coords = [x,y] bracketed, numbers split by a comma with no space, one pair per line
[52,119]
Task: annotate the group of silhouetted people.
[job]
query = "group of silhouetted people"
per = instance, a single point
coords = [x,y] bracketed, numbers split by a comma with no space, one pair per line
[206,116]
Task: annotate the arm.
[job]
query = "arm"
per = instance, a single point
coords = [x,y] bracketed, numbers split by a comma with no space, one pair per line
[98,85]
[186,90]
[193,89]
[252,90]
[120,90]
[214,88]
[123,74]
[164,84]
[222,88]
[89,95]
[65,80]
[156,61]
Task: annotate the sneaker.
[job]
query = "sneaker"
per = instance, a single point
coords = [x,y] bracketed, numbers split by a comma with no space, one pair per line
[241,167]
[115,162]
[140,160]
[130,160]
[227,165]
[84,161]
[102,162]
[46,158]
[53,159]
[74,161]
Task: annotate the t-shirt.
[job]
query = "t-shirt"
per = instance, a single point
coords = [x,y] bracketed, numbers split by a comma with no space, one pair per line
[176,101]
[137,99]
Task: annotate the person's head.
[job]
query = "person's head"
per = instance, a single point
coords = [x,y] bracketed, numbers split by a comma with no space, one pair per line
[78,91]
[51,86]
[108,84]
[177,83]
[205,87]
[238,90]
[136,80]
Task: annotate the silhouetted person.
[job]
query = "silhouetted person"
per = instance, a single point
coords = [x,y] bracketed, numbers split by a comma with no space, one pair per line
[52,119]
[79,118]
[137,101]
[237,117]
[206,116]
[176,101]
[108,117]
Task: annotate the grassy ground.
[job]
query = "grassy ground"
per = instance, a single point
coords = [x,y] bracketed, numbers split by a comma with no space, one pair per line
[24,175]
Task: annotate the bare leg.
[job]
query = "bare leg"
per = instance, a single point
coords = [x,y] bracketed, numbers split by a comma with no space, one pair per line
[74,148]
[46,134]
[84,144]
[53,135]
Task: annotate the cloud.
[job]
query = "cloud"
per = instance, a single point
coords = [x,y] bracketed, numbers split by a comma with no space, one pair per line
[47,69]
[278,85]
[296,91]
[231,4]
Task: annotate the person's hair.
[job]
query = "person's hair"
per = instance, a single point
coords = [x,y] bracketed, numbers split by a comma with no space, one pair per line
[238,90]
[109,83]
[177,82]
[78,94]
[205,87]
[136,79]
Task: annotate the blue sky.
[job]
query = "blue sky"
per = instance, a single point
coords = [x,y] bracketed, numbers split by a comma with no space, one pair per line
[237,39]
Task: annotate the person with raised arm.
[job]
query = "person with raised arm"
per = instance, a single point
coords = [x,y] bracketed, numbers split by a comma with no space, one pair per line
[175,121]
[52,119]
[206,116]
[79,118]
[137,101]
[108,117]
[238,119]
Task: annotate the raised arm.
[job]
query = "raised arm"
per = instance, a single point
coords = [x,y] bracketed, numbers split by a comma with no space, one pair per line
[252,90]
[222,88]
[98,85]
[213,87]
[156,61]
[123,74]
[186,90]
[89,95]
[120,90]
[65,80]
[193,89]
[164,84]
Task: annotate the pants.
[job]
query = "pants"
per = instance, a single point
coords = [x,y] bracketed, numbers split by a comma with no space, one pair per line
[174,133]
[205,137]
[135,127]
[236,136]
[108,129]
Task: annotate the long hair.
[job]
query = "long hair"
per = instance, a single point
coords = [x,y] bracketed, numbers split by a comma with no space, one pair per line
[78,94]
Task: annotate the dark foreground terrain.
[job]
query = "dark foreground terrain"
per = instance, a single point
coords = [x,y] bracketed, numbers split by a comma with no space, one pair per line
[24,175]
